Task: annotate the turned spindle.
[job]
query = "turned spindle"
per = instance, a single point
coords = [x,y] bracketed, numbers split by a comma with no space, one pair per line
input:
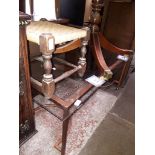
[82,59]
[95,18]
[47,47]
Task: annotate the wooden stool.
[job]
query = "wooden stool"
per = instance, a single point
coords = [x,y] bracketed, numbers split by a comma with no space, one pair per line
[55,39]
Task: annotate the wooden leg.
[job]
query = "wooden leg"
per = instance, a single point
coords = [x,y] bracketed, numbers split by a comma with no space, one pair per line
[82,59]
[64,132]
[47,48]
[124,72]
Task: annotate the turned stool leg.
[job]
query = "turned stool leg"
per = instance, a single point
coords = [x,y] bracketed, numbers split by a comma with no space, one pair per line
[47,47]
[82,59]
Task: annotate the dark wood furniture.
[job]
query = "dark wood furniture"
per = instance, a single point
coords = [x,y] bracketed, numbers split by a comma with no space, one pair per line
[26,114]
[109,64]
[119,16]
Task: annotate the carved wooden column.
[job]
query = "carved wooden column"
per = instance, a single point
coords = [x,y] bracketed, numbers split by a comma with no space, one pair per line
[26,113]
[95,18]
[82,59]
[47,47]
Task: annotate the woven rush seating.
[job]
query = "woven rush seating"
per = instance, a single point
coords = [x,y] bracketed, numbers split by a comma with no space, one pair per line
[61,33]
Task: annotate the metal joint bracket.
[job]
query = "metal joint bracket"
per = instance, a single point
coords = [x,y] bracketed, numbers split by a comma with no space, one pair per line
[107,75]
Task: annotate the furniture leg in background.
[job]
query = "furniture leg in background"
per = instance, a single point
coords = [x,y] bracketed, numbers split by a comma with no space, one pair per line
[26,114]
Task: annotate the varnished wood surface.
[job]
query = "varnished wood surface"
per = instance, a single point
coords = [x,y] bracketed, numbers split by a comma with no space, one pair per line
[97,52]
[118,24]
[38,86]
[63,103]
[27,98]
[112,48]
[106,58]
[26,113]
[68,47]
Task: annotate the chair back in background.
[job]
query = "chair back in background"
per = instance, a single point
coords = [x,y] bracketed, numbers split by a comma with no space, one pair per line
[118,24]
